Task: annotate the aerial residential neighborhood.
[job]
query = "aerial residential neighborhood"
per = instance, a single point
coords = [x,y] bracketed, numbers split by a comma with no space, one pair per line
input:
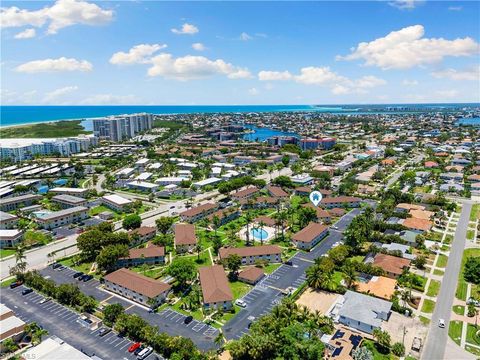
[201,180]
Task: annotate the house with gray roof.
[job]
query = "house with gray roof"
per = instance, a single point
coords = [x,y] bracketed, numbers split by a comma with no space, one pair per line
[362,312]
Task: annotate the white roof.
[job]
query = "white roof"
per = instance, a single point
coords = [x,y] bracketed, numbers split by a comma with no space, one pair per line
[54,348]
[143,184]
[142,161]
[126,171]
[8,324]
[116,199]
[67,189]
[170,186]
[144,176]
[9,233]
[208,181]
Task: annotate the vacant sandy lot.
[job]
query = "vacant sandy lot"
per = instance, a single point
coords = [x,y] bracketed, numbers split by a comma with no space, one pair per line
[317,300]
[413,328]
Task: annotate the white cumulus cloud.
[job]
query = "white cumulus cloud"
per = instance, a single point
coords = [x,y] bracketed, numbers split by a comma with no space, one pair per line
[407,48]
[58,93]
[193,67]
[274,75]
[188,29]
[198,47]
[55,65]
[26,34]
[136,55]
[61,14]
[405,4]
[324,76]
[245,37]
[471,74]
[110,99]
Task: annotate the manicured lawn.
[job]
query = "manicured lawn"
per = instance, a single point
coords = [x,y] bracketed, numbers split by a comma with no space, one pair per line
[475,213]
[424,320]
[154,272]
[370,345]
[428,306]
[459,309]
[448,239]
[433,288]
[438,272]
[84,267]
[461,292]
[239,289]
[473,350]
[472,336]
[6,252]
[197,314]
[470,234]
[101,208]
[204,259]
[270,268]
[455,331]
[7,283]
[442,261]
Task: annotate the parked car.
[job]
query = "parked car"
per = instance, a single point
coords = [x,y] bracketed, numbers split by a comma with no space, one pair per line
[44,300]
[77,274]
[188,320]
[144,353]
[104,331]
[15,284]
[61,268]
[241,303]
[56,265]
[441,323]
[26,291]
[289,263]
[134,347]
[473,301]
[87,278]
[138,350]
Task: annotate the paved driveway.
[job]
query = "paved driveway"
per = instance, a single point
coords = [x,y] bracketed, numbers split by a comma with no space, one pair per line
[60,321]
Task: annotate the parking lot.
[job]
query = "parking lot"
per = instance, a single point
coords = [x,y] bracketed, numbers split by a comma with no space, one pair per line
[200,333]
[269,292]
[62,322]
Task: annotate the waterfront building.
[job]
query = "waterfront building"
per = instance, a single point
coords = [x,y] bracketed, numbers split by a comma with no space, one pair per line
[121,127]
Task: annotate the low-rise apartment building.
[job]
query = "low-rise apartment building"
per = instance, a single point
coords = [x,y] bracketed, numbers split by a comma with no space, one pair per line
[215,289]
[70,191]
[136,287]
[310,236]
[116,202]
[244,194]
[68,201]
[197,213]
[12,203]
[63,217]
[142,234]
[185,238]
[7,221]
[340,201]
[252,254]
[10,238]
[151,255]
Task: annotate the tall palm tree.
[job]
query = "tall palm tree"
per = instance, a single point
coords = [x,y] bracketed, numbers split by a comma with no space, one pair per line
[261,225]
[20,259]
[248,219]
[349,274]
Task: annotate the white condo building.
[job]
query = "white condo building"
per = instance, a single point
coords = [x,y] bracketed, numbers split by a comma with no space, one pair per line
[121,127]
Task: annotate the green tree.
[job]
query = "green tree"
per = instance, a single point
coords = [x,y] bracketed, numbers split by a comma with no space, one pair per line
[132,221]
[306,215]
[111,312]
[164,224]
[398,349]
[471,272]
[362,353]
[35,332]
[109,255]
[233,263]
[183,270]
[383,340]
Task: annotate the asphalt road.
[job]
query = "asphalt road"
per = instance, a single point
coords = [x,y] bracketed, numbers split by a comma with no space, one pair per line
[168,321]
[434,348]
[60,321]
[266,294]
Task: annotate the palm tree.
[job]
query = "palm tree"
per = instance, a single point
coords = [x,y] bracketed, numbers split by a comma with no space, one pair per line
[20,258]
[282,218]
[349,274]
[198,249]
[35,332]
[261,225]
[216,223]
[248,219]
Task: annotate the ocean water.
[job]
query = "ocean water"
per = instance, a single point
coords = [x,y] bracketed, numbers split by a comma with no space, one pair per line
[469,121]
[262,134]
[20,115]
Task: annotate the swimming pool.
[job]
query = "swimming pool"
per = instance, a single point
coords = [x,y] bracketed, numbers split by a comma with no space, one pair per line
[259,234]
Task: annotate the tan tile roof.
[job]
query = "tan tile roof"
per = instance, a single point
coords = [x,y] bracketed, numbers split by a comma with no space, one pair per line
[250,251]
[380,286]
[143,230]
[185,234]
[418,224]
[337,211]
[321,214]
[198,210]
[277,191]
[138,283]
[410,206]
[266,219]
[214,284]
[147,252]
[251,273]
[243,193]
[391,264]
[421,214]
[310,232]
[340,199]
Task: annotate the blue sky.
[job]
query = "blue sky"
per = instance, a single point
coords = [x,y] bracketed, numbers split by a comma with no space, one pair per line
[71,52]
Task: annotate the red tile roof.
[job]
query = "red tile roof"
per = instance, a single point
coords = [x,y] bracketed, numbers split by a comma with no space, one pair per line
[391,264]
[310,232]
[185,234]
[138,283]
[198,210]
[214,284]
[251,274]
[250,251]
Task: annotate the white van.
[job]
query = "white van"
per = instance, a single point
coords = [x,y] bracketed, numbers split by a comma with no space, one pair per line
[144,353]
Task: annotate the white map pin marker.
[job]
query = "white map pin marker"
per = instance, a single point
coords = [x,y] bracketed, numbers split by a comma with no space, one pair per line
[315,197]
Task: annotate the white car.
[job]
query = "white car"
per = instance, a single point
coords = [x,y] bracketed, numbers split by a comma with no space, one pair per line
[441,323]
[44,300]
[241,303]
